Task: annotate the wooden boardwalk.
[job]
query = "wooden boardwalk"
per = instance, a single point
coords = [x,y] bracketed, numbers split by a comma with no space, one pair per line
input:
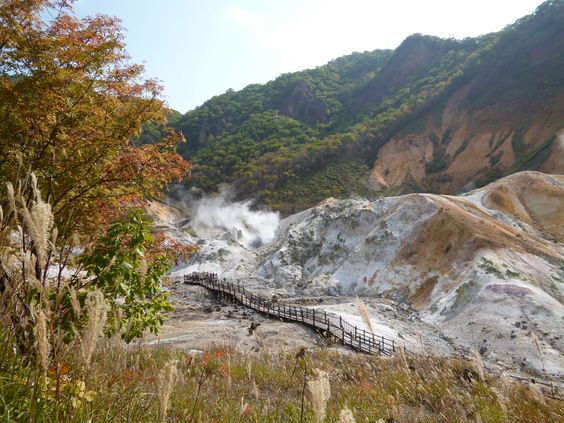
[329,324]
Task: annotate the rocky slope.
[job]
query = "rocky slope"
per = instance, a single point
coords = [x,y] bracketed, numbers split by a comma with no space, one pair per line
[454,149]
[483,271]
[486,267]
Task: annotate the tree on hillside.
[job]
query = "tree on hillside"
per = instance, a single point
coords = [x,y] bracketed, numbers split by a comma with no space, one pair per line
[71,107]
[70,104]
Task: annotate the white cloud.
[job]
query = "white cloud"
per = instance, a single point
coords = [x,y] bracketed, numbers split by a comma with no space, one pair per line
[309,33]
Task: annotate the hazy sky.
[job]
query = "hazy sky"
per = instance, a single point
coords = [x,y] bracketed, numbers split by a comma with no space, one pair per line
[201,48]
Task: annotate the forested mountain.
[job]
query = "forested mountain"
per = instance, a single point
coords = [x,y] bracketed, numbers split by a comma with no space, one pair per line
[434,114]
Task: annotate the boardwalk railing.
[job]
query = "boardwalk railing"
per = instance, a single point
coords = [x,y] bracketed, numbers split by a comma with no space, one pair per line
[350,335]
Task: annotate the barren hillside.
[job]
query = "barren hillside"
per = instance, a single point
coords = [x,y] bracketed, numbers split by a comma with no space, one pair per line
[483,271]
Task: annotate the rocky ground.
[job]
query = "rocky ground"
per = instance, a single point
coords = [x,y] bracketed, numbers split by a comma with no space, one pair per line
[201,321]
[481,273]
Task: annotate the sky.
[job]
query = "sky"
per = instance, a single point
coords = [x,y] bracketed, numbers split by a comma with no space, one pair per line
[202,48]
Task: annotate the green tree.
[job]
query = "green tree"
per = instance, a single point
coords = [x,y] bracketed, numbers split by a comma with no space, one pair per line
[130,276]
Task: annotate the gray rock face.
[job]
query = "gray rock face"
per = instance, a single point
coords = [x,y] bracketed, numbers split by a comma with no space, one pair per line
[482,277]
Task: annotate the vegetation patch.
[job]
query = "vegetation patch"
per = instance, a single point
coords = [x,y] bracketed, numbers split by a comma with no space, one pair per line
[155,385]
[342,178]
[464,145]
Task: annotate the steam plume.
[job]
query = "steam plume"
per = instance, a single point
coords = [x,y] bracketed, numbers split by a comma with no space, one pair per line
[213,216]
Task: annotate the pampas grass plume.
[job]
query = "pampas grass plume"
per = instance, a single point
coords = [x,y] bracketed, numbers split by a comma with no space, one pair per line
[75,304]
[364,313]
[165,380]
[97,312]
[478,364]
[11,196]
[39,221]
[346,416]
[42,346]
[320,393]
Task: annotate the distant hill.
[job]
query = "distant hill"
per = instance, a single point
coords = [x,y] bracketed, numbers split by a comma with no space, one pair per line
[439,115]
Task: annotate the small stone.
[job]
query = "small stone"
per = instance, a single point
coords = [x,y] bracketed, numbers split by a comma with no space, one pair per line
[253,327]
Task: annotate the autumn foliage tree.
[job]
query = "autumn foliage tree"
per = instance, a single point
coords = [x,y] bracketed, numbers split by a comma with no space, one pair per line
[70,104]
[71,107]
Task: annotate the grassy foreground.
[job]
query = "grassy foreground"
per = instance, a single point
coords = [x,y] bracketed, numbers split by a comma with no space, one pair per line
[162,384]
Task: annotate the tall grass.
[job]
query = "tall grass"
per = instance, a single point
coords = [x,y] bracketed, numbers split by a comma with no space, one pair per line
[136,383]
[320,392]
[364,314]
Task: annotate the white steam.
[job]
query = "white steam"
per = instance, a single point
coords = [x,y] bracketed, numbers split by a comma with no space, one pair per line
[214,216]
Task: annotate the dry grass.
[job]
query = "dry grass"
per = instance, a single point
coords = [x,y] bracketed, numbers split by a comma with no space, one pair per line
[364,314]
[165,384]
[346,416]
[319,390]
[155,385]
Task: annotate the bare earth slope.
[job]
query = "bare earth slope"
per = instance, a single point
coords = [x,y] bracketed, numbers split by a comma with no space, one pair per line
[483,271]
[454,147]
[486,267]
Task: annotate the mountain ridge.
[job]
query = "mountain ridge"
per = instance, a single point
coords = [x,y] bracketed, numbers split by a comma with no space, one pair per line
[429,105]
